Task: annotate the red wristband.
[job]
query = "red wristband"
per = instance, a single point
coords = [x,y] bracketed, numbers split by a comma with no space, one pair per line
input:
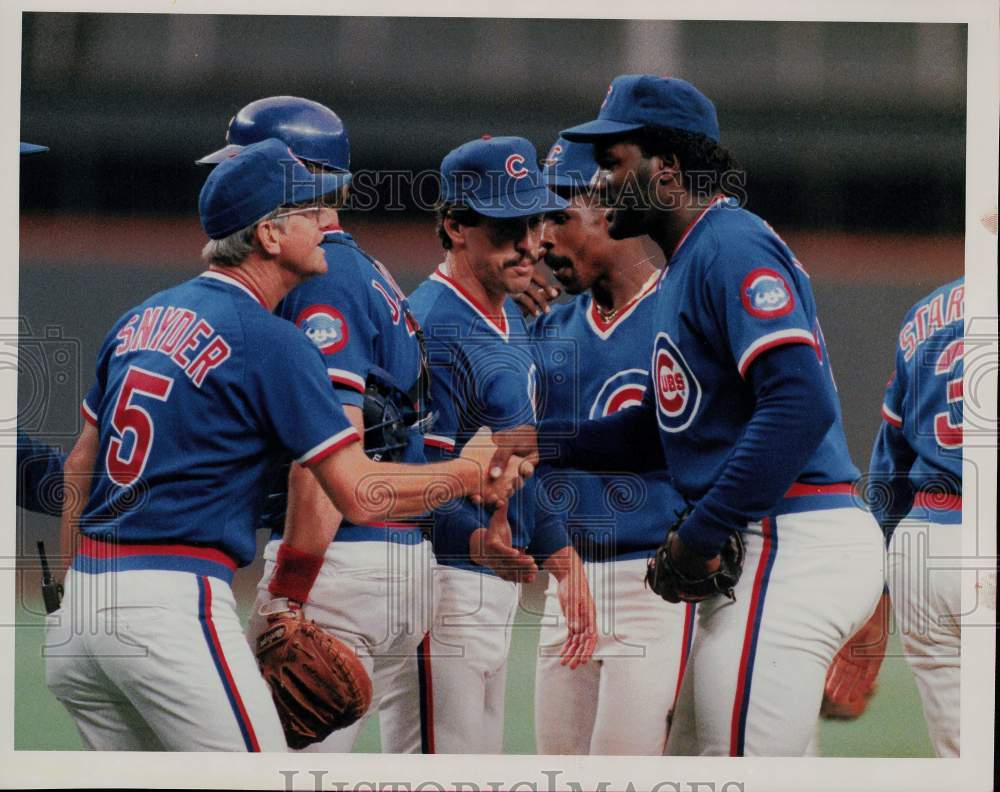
[294,573]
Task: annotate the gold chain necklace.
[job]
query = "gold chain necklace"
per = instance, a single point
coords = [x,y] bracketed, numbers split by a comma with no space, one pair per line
[608,314]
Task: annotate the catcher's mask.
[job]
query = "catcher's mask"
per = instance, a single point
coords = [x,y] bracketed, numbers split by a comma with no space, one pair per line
[390,417]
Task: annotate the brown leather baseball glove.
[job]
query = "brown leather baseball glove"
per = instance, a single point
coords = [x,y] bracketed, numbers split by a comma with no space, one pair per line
[317,682]
[850,680]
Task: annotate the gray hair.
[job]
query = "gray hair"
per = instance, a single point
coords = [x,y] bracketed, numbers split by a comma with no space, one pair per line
[234,249]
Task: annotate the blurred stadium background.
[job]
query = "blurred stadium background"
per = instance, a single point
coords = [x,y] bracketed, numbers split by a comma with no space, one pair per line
[852,135]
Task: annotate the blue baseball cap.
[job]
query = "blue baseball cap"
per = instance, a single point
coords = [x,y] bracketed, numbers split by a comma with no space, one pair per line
[257,180]
[635,101]
[570,165]
[497,177]
[31,148]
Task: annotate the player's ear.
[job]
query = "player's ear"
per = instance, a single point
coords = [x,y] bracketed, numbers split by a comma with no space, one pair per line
[455,231]
[267,237]
[665,169]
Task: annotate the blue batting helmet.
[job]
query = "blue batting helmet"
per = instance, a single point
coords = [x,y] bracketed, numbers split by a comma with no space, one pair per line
[312,131]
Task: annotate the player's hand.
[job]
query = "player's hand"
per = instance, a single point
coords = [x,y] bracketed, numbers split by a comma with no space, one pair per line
[520,440]
[493,547]
[501,473]
[850,680]
[578,609]
[688,563]
[534,301]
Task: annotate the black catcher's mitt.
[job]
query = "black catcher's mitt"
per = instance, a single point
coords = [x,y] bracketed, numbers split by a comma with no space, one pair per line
[663,576]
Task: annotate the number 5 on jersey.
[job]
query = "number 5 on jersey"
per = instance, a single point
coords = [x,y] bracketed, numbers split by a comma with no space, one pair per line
[125,465]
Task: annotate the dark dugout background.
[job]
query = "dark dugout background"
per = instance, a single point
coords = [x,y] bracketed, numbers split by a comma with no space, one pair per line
[852,136]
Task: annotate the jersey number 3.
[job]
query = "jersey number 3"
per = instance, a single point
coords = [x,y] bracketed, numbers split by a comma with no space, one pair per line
[132,422]
[948,434]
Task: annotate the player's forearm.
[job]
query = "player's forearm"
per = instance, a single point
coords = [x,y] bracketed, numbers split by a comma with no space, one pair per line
[77,476]
[563,562]
[625,441]
[365,491]
[792,415]
[312,520]
[888,490]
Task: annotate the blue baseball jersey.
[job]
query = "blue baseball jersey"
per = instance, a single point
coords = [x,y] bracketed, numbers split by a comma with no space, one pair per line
[919,445]
[609,516]
[732,290]
[197,390]
[483,373]
[359,319]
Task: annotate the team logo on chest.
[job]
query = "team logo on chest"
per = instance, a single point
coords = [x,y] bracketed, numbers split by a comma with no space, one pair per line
[325,326]
[678,393]
[622,390]
[766,295]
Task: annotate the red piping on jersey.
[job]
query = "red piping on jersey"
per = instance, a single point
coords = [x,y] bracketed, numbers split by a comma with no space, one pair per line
[937,501]
[88,416]
[216,275]
[501,325]
[445,443]
[891,419]
[777,342]
[351,438]
[687,231]
[347,383]
[605,325]
[332,229]
[799,490]
[98,548]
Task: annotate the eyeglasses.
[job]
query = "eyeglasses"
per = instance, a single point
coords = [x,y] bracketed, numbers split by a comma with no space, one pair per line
[290,212]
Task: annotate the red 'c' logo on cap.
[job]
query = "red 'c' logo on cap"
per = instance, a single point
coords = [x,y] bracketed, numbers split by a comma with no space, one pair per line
[607,95]
[515,166]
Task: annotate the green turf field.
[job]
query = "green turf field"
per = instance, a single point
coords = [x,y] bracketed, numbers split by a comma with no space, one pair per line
[893,726]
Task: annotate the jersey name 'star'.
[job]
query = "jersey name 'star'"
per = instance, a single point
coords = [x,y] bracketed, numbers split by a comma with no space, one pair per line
[359,319]
[592,368]
[732,291]
[921,434]
[192,404]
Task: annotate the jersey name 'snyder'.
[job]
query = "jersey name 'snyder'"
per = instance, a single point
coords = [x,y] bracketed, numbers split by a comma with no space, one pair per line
[733,290]
[592,368]
[197,391]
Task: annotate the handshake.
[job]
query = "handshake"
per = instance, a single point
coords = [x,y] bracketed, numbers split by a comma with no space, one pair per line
[504,460]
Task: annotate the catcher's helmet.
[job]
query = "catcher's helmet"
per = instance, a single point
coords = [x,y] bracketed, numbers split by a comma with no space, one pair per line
[312,131]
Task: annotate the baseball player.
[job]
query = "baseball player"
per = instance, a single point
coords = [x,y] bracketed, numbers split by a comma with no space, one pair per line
[39,466]
[483,371]
[190,404]
[916,489]
[372,588]
[616,705]
[743,412]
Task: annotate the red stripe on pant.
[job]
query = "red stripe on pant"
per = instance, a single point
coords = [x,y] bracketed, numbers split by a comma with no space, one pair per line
[741,704]
[426,683]
[225,674]
[689,611]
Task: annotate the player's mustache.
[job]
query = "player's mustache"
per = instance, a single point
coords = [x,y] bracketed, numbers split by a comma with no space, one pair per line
[554,262]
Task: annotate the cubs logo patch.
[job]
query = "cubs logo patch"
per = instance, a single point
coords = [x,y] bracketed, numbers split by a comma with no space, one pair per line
[678,393]
[515,166]
[325,326]
[619,392]
[766,295]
